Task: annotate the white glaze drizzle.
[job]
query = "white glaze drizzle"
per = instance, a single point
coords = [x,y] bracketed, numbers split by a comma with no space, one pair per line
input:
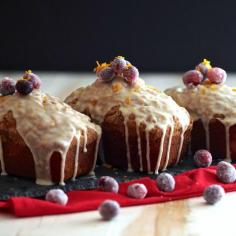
[148,105]
[1,159]
[227,142]
[207,134]
[85,140]
[206,102]
[160,151]
[96,153]
[127,145]
[180,145]
[139,147]
[169,146]
[76,156]
[46,125]
[148,151]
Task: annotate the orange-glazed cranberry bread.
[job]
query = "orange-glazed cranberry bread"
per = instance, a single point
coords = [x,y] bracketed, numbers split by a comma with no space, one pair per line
[212,105]
[143,128]
[41,137]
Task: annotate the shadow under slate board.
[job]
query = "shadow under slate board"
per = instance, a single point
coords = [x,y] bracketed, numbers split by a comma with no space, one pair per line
[11,186]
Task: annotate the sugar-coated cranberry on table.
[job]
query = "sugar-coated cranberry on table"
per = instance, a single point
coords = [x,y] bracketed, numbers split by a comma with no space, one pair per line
[108,184]
[109,209]
[57,196]
[202,158]
[165,182]
[213,194]
[226,172]
[137,190]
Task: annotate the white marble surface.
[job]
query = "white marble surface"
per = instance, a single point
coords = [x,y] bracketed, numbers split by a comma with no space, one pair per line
[187,217]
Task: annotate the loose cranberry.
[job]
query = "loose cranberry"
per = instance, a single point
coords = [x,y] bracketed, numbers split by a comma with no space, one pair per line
[137,190]
[202,158]
[108,184]
[57,196]
[109,209]
[226,172]
[165,182]
[213,194]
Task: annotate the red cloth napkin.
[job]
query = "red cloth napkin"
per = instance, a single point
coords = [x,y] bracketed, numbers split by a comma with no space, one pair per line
[188,184]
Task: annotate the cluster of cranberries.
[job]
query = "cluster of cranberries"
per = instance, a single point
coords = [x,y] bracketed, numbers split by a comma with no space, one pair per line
[23,86]
[204,72]
[118,67]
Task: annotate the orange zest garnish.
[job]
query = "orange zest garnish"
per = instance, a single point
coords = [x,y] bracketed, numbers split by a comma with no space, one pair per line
[213,87]
[99,66]
[116,87]
[128,100]
[28,71]
[119,57]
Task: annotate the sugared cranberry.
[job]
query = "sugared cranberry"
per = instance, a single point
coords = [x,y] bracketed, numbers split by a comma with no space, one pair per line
[202,158]
[109,209]
[24,87]
[7,86]
[165,182]
[213,194]
[106,74]
[137,190]
[226,172]
[33,78]
[118,64]
[130,74]
[192,77]
[108,184]
[57,196]
[216,75]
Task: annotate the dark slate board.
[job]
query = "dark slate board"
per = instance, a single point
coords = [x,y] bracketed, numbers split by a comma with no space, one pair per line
[11,186]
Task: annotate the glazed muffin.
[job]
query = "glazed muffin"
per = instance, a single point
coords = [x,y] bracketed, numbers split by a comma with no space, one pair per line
[143,128]
[212,105]
[43,138]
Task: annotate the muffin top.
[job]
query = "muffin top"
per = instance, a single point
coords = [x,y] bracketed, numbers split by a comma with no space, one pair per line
[125,89]
[205,95]
[46,125]
[207,101]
